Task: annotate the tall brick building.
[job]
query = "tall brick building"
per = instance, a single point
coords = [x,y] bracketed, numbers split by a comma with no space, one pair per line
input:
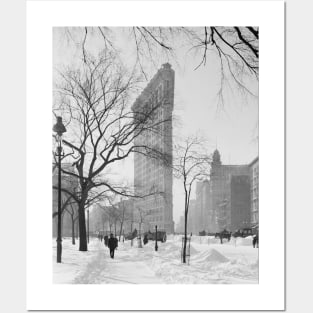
[231,194]
[230,199]
[150,174]
[240,202]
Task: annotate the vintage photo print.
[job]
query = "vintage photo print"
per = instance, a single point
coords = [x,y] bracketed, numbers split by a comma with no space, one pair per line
[155,155]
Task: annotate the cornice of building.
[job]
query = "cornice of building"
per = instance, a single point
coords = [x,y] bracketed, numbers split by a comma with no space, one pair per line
[255,160]
[146,93]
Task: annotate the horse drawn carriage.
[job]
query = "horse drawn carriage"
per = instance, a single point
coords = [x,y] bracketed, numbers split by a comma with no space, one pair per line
[161,235]
[225,234]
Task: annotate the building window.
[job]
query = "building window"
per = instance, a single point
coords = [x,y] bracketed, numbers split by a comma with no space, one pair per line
[167,88]
[160,92]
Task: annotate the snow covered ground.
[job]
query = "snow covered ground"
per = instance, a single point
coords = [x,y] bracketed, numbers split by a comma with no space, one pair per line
[234,262]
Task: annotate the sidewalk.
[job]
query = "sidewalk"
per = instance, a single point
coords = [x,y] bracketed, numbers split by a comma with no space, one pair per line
[124,268]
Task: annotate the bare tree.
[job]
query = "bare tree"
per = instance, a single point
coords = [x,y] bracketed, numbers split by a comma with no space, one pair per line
[141,217]
[237,49]
[110,215]
[124,215]
[94,95]
[94,99]
[72,211]
[191,163]
[68,205]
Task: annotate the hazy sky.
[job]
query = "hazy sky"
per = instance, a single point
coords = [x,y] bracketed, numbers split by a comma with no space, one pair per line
[232,128]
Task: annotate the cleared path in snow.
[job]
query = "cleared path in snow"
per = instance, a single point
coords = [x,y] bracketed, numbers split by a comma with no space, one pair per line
[124,268]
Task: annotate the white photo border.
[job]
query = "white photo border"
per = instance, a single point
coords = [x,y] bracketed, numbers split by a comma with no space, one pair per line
[269,294]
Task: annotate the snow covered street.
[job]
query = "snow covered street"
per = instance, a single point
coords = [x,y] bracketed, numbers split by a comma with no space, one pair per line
[210,263]
[125,268]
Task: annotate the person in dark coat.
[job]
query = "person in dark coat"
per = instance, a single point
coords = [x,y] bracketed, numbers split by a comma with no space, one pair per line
[112,244]
[145,239]
[255,241]
[106,239]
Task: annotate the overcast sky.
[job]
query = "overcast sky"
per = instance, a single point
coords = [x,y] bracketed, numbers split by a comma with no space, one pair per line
[232,128]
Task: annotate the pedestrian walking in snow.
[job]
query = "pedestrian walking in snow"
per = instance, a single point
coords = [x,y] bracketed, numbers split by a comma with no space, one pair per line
[106,239]
[255,241]
[112,244]
[145,239]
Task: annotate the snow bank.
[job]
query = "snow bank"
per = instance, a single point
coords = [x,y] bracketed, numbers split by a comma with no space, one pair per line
[211,255]
[242,241]
[74,262]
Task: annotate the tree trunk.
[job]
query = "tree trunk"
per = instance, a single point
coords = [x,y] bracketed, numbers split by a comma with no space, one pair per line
[131,231]
[122,222]
[82,227]
[121,228]
[186,215]
[140,244]
[73,231]
[185,239]
[77,229]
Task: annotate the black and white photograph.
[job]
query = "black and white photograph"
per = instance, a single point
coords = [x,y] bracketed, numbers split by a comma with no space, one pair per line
[155,155]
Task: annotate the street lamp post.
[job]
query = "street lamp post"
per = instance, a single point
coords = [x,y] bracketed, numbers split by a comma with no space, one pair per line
[59,129]
[156,238]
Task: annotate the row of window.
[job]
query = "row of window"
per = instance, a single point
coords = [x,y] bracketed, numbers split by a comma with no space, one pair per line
[161,91]
[155,218]
[255,192]
[255,218]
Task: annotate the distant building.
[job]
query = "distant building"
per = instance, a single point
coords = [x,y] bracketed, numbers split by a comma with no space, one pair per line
[126,207]
[151,176]
[240,202]
[203,215]
[192,217]
[98,219]
[230,192]
[229,200]
[254,175]
[180,226]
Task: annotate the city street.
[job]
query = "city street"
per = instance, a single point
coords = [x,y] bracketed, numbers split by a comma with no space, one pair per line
[209,263]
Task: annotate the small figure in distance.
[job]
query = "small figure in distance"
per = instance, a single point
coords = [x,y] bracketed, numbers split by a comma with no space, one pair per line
[145,239]
[112,245]
[106,239]
[255,241]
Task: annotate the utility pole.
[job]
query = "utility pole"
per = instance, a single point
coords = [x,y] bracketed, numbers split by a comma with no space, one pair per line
[59,129]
